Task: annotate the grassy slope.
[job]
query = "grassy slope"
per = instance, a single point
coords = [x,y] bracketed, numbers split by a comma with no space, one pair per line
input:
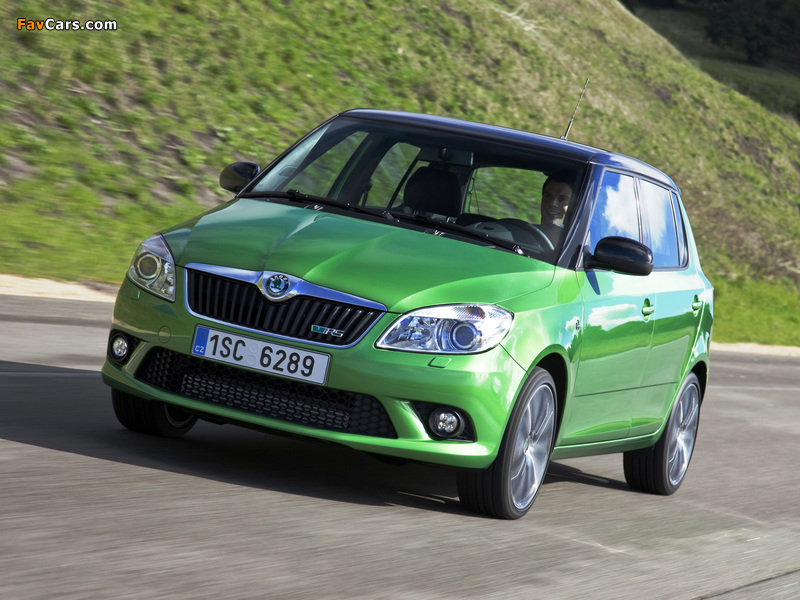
[775,86]
[109,136]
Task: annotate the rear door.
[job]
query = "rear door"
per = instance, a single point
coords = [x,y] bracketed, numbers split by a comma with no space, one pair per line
[679,288]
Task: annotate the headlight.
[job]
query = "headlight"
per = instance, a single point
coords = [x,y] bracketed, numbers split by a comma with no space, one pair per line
[153,268]
[452,329]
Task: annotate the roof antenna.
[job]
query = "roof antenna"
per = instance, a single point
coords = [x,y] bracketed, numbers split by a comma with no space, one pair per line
[566,133]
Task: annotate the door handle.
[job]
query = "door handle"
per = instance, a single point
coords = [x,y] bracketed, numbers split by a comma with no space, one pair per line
[697,305]
[648,309]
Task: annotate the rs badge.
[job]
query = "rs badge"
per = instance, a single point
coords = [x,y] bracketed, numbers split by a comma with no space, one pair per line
[327,331]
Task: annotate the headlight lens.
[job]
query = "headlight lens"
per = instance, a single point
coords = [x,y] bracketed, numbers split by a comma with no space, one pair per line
[451,329]
[153,268]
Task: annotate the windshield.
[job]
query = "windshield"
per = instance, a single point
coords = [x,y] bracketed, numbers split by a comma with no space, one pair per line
[462,183]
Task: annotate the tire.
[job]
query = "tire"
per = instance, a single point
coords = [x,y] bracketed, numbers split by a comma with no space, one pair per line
[508,488]
[661,468]
[150,416]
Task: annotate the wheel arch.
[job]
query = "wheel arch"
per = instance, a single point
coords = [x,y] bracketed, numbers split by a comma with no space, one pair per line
[701,370]
[556,364]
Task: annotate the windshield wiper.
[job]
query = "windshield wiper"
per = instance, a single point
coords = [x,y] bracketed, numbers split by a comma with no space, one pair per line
[291,195]
[313,201]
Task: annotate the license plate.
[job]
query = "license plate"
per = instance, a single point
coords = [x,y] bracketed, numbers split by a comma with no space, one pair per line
[263,356]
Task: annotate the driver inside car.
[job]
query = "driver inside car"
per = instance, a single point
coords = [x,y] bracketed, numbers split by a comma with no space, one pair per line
[556,194]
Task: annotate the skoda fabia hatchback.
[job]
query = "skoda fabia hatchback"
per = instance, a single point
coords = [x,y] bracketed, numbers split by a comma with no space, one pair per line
[429,289]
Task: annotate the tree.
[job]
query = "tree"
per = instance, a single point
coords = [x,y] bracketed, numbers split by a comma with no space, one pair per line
[759,28]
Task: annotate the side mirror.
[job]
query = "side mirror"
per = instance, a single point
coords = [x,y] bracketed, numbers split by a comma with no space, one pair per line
[237,175]
[623,255]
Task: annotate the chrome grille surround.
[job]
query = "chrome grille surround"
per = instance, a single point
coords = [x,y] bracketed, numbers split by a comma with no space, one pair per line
[237,297]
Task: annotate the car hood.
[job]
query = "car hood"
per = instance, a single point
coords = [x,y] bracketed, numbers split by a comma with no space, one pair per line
[398,267]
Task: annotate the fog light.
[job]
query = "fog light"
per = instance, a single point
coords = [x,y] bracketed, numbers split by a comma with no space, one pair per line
[119,347]
[446,423]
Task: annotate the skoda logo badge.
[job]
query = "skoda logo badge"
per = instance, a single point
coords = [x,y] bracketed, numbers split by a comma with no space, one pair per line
[277,286]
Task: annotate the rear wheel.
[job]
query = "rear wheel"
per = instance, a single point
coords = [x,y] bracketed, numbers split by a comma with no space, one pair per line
[661,468]
[509,486]
[151,416]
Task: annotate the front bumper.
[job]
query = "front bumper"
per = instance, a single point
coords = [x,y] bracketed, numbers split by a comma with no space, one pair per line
[483,386]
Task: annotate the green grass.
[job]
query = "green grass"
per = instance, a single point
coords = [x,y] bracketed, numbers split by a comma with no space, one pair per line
[762,312]
[106,137]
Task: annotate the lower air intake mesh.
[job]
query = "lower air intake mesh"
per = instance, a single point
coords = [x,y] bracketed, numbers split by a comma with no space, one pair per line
[266,395]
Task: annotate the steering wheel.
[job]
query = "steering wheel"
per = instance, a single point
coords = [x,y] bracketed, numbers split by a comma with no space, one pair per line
[494,228]
[527,228]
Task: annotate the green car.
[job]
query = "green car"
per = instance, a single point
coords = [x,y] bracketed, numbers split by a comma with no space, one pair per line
[429,289]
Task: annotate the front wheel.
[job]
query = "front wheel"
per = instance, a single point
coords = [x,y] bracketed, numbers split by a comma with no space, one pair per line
[661,468]
[151,416]
[509,486]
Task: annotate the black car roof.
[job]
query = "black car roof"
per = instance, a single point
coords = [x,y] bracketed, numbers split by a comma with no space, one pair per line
[524,139]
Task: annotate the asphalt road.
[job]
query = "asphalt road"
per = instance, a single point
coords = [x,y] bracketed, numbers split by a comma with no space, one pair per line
[91,510]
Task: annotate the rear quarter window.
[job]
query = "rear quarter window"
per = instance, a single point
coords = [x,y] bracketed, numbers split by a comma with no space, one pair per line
[683,249]
[659,225]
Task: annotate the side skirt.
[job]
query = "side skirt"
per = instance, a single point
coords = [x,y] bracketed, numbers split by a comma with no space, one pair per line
[608,447]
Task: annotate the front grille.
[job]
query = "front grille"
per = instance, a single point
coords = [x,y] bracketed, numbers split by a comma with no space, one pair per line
[241,303]
[266,395]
